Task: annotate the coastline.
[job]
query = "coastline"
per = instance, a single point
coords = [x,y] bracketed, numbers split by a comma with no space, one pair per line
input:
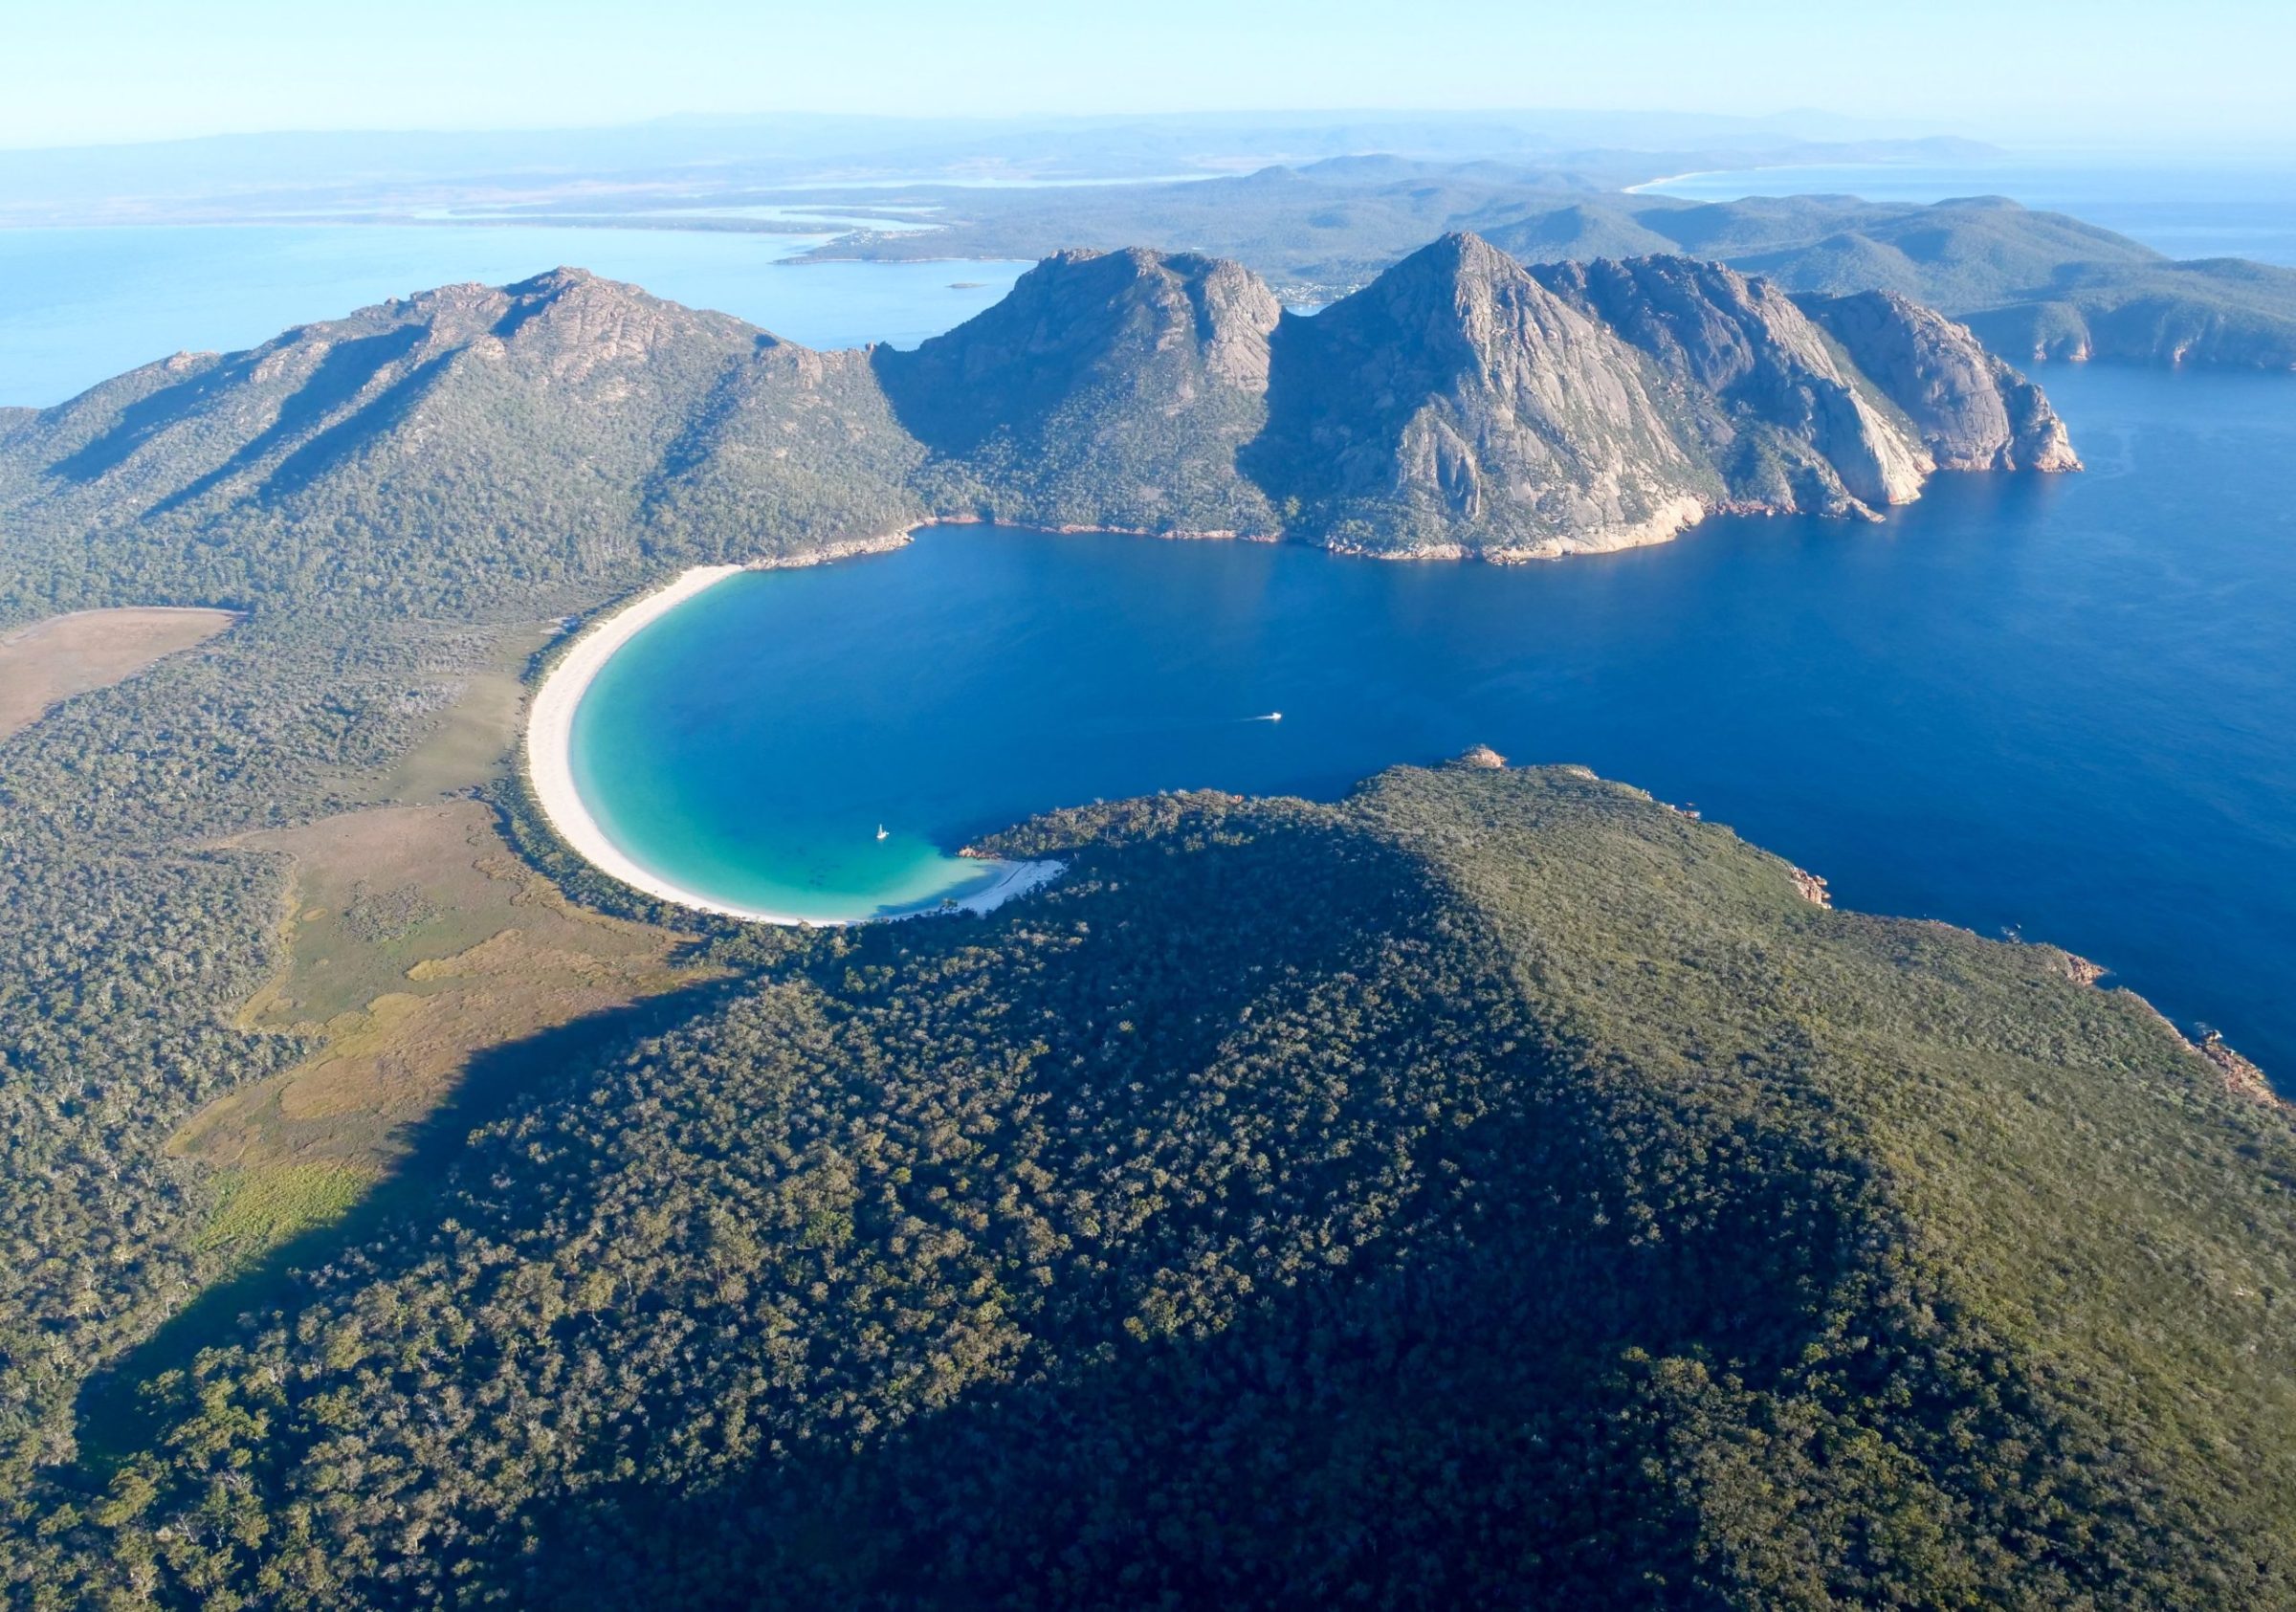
[1650,186]
[550,768]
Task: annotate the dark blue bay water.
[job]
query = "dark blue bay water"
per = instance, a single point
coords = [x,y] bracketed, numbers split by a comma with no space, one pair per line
[2062,704]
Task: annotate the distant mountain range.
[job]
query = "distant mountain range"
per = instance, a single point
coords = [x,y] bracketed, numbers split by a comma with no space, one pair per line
[1460,405]
[2032,284]
[1318,204]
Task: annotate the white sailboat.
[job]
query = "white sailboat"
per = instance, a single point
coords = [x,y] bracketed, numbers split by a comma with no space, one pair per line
[880,830]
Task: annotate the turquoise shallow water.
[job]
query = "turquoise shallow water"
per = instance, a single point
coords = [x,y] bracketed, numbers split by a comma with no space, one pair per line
[735,747]
[2066,705]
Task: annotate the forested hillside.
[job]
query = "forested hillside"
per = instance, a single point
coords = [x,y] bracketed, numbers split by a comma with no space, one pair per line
[461,447]
[1496,1185]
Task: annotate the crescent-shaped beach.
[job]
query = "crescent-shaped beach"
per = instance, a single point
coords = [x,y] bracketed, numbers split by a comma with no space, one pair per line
[550,772]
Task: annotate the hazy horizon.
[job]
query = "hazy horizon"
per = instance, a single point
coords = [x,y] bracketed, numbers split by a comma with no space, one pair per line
[2104,75]
[1787,123]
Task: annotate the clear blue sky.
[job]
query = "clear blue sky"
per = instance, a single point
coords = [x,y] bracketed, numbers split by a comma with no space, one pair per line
[2202,72]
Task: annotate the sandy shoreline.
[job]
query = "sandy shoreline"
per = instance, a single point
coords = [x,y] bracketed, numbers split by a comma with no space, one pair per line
[1649,185]
[550,771]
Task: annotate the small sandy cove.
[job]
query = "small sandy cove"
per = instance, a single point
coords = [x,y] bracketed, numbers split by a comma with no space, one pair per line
[549,768]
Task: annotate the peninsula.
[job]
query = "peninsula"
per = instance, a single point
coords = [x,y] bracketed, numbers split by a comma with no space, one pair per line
[1529,1192]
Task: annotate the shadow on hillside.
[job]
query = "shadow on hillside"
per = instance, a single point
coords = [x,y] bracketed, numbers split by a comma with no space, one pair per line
[117,1412]
[144,419]
[341,376]
[1487,1385]
[1463,1429]
[927,397]
[1445,1414]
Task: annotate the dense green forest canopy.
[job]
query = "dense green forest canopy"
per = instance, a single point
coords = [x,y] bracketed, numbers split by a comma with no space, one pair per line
[1496,1184]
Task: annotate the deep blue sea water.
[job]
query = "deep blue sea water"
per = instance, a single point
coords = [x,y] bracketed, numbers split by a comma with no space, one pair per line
[2066,705]
[80,305]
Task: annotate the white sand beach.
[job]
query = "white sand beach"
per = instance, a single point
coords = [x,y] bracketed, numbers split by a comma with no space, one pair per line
[549,768]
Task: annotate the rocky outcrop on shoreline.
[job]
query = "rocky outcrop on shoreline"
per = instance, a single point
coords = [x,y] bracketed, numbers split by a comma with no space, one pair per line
[1971,411]
[2241,1077]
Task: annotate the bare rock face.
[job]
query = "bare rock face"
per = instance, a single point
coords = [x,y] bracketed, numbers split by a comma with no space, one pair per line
[2241,1077]
[1108,390]
[1455,406]
[1971,411]
[1790,426]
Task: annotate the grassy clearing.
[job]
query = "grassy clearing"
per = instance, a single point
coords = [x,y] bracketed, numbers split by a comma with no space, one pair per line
[415,940]
[54,659]
[473,743]
[438,975]
[256,1210]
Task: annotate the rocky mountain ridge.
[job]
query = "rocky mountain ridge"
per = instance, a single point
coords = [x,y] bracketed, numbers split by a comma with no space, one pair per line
[1460,406]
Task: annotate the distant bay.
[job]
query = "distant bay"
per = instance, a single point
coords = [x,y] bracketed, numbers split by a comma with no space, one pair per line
[2062,706]
[80,305]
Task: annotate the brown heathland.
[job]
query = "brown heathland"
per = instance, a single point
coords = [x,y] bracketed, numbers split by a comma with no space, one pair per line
[64,655]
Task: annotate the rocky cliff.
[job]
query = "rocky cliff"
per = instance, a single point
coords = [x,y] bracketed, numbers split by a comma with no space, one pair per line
[1107,390]
[1789,425]
[1973,411]
[1456,406]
